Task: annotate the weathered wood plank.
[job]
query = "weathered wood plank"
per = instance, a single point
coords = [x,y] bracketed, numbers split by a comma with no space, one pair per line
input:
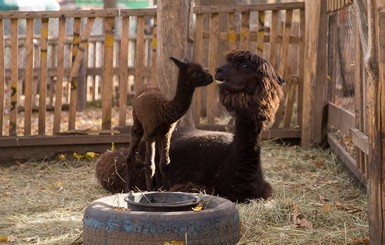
[198,57]
[283,69]
[320,100]
[346,158]
[43,75]
[73,80]
[213,48]
[250,7]
[312,16]
[261,33]
[123,76]
[78,13]
[2,77]
[139,55]
[28,78]
[232,35]
[244,42]
[273,47]
[153,52]
[60,76]
[361,141]
[107,83]
[14,78]
[359,98]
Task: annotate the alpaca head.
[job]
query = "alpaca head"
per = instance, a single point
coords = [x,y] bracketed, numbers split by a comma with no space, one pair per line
[249,87]
[192,74]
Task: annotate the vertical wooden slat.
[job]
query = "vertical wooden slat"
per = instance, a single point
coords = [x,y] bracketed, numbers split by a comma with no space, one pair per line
[213,48]
[290,94]
[301,64]
[332,56]
[2,78]
[153,52]
[14,77]
[283,71]
[139,55]
[43,75]
[28,77]
[107,88]
[198,57]
[261,33]
[320,100]
[123,75]
[273,38]
[73,80]
[358,97]
[60,75]
[232,35]
[244,39]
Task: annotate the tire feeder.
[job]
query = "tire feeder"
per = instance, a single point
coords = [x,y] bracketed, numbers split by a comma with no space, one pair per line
[161,218]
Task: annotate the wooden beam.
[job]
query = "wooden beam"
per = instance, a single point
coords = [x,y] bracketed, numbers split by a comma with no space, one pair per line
[360,140]
[375,67]
[107,89]
[2,76]
[346,158]
[249,7]
[320,81]
[312,17]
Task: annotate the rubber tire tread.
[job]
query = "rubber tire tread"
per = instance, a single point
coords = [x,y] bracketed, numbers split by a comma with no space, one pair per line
[218,223]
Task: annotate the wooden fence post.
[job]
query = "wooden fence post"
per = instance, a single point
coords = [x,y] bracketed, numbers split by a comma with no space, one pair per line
[312,17]
[320,82]
[375,65]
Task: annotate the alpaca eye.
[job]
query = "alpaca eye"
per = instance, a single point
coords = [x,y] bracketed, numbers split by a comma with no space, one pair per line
[196,74]
[244,66]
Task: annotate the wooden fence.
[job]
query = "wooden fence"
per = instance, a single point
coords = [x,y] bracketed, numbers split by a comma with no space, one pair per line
[57,62]
[347,96]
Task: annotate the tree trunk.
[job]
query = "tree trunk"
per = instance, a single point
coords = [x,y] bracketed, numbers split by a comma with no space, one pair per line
[174,39]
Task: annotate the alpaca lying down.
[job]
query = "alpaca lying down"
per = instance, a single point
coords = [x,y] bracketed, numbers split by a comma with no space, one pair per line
[155,117]
[225,164]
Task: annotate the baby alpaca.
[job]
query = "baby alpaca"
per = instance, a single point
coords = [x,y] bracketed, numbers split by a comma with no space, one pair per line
[155,118]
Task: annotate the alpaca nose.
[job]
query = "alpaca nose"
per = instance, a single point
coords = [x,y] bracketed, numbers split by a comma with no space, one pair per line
[219,69]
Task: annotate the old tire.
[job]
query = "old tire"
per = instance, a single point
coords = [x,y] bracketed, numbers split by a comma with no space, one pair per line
[105,223]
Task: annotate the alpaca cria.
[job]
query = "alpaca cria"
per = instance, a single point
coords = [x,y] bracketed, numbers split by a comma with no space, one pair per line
[222,163]
[155,117]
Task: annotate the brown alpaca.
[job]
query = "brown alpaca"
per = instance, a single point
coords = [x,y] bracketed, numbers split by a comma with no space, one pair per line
[155,118]
[222,163]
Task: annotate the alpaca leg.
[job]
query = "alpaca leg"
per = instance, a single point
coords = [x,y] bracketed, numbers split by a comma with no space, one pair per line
[149,163]
[136,136]
[164,160]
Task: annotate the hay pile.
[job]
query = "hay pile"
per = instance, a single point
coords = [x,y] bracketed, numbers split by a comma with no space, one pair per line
[315,201]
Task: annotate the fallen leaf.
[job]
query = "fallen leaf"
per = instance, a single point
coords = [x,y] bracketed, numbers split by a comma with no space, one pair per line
[323,199]
[173,243]
[62,157]
[326,208]
[197,208]
[299,221]
[3,238]
[361,241]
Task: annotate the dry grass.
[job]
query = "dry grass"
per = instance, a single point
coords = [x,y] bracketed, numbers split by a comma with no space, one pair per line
[315,201]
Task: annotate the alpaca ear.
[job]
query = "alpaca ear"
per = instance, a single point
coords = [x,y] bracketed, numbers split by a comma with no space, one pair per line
[186,60]
[178,63]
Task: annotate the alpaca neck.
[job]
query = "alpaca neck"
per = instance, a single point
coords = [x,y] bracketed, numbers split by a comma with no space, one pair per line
[178,106]
[247,147]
